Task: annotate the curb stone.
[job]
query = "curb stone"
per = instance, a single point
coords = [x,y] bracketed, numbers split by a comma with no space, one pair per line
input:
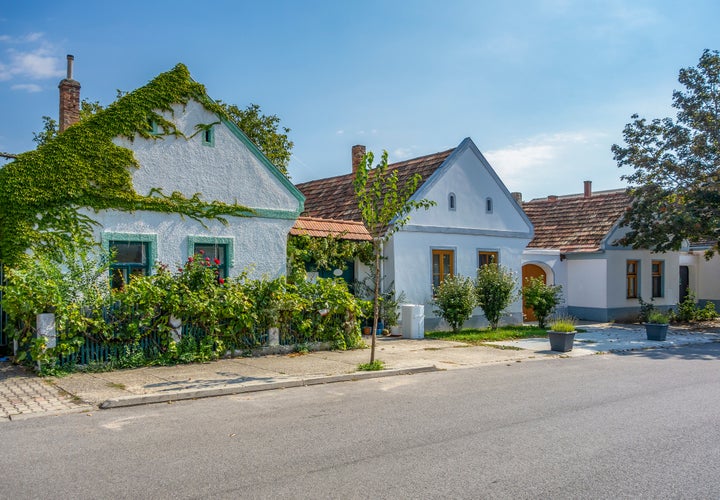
[186,394]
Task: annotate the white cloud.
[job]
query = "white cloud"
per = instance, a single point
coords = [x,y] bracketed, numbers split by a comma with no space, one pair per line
[38,62]
[400,154]
[28,87]
[545,162]
[340,132]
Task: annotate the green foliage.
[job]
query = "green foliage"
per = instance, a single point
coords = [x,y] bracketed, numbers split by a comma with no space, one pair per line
[658,317]
[137,323]
[42,190]
[455,300]
[372,366]
[563,324]
[541,298]
[689,311]
[385,207]
[326,253]
[646,308]
[482,336]
[675,178]
[495,290]
[264,131]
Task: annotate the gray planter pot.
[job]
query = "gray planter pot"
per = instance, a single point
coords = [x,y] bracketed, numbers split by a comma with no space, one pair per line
[561,341]
[656,331]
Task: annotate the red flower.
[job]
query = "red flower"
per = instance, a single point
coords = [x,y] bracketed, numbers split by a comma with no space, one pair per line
[217,262]
[190,259]
[221,281]
[202,252]
[207,259]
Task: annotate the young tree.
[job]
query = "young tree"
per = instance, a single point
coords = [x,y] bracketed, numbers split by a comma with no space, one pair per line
[541,298]
[455,300]
[385,208]
[676,165]
[495,289]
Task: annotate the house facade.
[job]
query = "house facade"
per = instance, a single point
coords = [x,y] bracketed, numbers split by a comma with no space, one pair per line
[576,246]
[475,220]
[186,163]
[223,165]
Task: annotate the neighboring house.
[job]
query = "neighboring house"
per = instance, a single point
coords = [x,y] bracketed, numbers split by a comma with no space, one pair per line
[476,220]
[200,153]
[575,245]
[700,274]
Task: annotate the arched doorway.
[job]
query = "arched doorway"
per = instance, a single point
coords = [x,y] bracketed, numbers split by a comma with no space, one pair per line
[531,271]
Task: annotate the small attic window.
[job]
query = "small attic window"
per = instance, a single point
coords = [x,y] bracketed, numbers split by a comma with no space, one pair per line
[488,205]
[153,126]
[452,202]
[208,136]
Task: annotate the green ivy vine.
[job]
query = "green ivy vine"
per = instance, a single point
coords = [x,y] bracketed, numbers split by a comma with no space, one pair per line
[326,253]
[43,190]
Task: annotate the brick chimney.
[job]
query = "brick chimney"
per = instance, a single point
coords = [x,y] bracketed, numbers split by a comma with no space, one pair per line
[69,98]
[588,189]
[358,152]
[517,196]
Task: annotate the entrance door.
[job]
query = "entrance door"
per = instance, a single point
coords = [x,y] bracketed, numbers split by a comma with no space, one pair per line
[684,282]
[531,271]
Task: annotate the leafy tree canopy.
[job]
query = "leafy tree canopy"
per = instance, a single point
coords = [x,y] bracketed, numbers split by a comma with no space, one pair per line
[676,179]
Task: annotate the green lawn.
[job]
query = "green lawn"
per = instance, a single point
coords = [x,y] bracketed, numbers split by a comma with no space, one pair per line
[479,337]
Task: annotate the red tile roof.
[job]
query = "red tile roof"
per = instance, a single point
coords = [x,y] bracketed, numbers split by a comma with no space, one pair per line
[334,197]
[347,230]
[575,223]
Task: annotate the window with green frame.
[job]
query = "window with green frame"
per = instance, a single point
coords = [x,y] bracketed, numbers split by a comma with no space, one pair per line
[130,259]
[217,255]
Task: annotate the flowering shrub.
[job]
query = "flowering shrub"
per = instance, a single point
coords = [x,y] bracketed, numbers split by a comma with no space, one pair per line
[139,323]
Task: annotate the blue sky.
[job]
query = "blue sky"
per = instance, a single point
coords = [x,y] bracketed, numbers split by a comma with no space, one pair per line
[544,88]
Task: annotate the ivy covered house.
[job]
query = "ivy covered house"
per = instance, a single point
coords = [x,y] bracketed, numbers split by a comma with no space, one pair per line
[157,176]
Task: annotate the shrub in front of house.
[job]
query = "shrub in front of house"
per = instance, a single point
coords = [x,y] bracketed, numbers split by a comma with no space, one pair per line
[169,317]
[495,290]
[541,298]
[455,300]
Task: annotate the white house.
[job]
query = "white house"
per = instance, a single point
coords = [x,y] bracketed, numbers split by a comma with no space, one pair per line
[204,154]
[475,220]
[576,246]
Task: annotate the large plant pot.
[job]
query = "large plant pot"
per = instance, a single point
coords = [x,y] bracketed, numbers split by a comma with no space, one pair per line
[656,331]
[561,341]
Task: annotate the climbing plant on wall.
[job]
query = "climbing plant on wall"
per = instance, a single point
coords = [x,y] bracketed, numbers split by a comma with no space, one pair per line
[44,190]
[324,253]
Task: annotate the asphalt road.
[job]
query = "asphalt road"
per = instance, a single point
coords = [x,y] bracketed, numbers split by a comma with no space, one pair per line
[637,425]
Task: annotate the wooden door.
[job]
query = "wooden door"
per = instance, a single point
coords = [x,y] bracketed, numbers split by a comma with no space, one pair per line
[531,271]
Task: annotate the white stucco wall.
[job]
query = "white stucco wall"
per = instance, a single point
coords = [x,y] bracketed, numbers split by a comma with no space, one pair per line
[259,244]
[466,230]
[617,292]
[472,181]
[226,171]
[412,254]
[229,171]
[707,277]
[587,283]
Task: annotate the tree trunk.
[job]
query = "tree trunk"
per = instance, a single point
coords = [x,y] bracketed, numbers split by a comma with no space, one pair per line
[376,307]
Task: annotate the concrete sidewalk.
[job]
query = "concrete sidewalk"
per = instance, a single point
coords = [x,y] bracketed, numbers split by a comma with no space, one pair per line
[84,391]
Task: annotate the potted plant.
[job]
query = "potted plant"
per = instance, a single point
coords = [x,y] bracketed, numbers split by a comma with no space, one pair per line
[656,326]
[562,334]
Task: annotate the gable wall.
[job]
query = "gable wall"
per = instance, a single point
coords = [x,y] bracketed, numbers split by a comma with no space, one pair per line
[469,178]
[228,171]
